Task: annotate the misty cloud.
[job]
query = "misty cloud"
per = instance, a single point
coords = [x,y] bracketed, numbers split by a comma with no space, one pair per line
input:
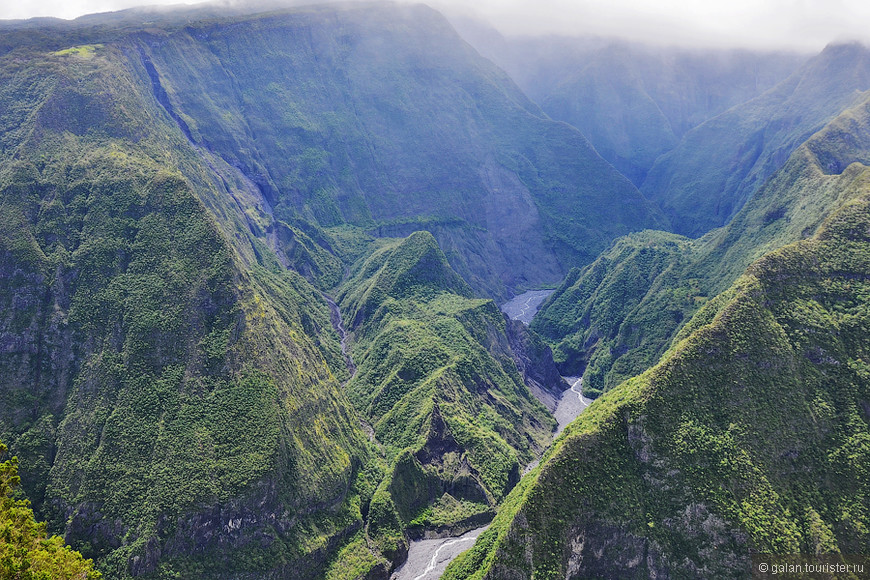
[802,24]
[70,9]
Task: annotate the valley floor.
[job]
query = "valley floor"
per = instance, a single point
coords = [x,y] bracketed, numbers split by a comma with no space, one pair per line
[428,558]
[526,305]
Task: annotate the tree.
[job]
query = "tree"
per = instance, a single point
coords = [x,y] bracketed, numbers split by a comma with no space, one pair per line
[26,551]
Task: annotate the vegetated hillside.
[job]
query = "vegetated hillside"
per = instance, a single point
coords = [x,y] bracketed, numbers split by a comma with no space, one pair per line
[437,381]
[647,296]
[171,377]
[613,319]
[382,117]
[172,400]
[719,165]
[633,102]
[751,435]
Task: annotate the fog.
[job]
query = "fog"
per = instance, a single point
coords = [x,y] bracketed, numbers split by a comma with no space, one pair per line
[797,24]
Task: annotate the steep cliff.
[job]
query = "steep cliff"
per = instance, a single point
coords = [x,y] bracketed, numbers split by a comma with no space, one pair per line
[634,102]
[619,315]
[749,436]
[173,377]
[718,166]
[166,393]
[438,382]
[382,117]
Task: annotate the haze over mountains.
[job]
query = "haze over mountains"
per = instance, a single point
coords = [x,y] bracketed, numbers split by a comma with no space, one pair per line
[634,102]
[251,262]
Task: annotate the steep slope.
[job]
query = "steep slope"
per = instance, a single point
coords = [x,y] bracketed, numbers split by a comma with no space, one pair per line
[751,435]
[633,102]
[173,401]
[616,317]
[378,116]
[382,117]
[172,374]
[719,165]
[438,382]
[620,343]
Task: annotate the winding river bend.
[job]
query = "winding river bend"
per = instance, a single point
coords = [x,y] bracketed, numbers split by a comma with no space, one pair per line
[571,404]
[523,308]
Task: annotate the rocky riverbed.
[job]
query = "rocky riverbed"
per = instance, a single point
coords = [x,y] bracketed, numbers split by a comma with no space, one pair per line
[427,559]
[526,305]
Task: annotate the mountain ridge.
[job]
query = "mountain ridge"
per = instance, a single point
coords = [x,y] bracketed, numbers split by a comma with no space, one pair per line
[716,452]
[719,165]
[792,205]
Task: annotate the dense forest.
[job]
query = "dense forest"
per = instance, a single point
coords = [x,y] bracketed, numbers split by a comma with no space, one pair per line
[252,265]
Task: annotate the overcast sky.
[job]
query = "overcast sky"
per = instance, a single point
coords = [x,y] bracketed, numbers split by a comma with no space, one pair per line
[804,24]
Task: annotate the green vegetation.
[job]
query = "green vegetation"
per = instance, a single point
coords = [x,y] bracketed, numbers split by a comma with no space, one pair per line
[720,165]
[615,318]
[26,550]
[751,435]
[618,314]
[168,379]
[384,119]
[355,560]
[437,381]
[83,51]
[174,385]
[178,199]
[309,257]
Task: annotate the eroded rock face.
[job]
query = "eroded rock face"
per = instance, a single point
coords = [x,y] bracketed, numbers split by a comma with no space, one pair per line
[534,360]
[514,223]
[256,521]
[599,549]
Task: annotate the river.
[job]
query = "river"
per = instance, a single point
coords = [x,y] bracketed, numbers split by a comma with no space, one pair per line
[526,305]
[572,403]
[427,559]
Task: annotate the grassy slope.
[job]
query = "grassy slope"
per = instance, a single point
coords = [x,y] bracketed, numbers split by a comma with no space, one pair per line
[438,384]
[159,381]
[654,298]
[720,164]
[751,434]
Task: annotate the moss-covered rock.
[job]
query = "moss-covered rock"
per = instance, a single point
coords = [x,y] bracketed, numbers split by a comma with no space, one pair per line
[438,382]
